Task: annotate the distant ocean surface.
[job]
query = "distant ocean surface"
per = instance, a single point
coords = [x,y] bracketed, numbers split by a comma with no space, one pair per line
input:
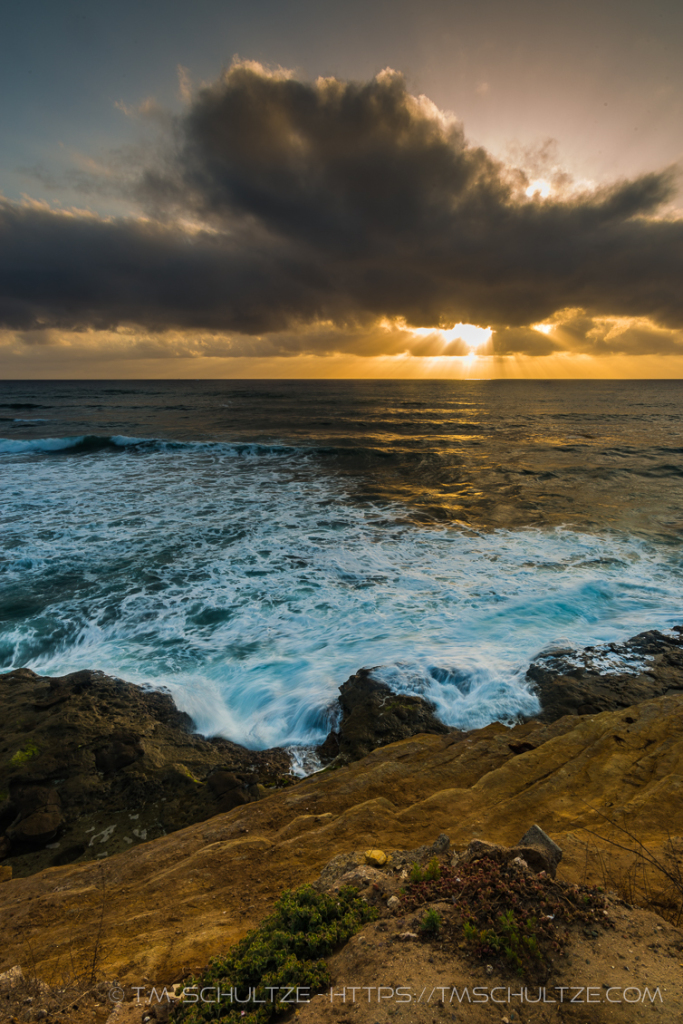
[250,544]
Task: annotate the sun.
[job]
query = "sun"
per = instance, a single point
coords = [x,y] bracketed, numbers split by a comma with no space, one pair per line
[539,187]
[473,336]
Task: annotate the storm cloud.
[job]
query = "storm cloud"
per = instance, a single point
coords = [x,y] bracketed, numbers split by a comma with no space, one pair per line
[283,203]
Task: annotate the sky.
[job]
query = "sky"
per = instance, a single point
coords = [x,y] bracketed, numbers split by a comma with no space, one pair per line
[368,189]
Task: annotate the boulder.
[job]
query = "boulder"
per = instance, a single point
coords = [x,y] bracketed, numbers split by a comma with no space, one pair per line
[372,716]
[539,851]
[37,829]
[536,849]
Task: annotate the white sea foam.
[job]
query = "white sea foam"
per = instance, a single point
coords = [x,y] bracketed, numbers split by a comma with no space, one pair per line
[246,581]
[608,662]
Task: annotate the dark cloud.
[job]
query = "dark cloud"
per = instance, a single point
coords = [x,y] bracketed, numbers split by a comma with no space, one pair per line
[514,340]
[285,203]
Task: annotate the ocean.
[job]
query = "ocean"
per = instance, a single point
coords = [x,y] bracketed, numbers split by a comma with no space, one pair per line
[250,544]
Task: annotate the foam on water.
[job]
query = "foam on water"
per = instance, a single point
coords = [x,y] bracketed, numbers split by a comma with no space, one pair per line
[244,579]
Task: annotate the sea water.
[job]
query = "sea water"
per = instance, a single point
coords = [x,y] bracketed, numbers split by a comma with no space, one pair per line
[249,545]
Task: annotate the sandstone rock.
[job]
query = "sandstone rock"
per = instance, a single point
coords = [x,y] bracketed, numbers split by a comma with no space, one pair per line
[336,868]
[478,848]
[361,876]
[376,858]
[5,872]
[372,715]
[628,764]
[394,903]
[422,854]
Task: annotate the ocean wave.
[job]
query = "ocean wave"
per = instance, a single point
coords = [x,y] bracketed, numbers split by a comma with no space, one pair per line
[96,442]
[23,405]
[84,443]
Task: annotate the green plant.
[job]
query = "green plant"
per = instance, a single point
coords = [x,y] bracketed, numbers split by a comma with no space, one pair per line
[22,756]
[509,937]
[433,871]
[431,923]
[416,874]
[517,917]
[280,956]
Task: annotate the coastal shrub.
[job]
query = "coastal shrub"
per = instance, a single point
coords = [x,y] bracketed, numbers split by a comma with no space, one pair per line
[643,877]
[516,918]
[22,756]
[430,874]
[260,975]
[416,874]
[516,940]
[431,923]
[432,871]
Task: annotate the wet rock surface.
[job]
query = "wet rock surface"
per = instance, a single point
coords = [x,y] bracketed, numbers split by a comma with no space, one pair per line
[608,677]
[372,716]
[91,765]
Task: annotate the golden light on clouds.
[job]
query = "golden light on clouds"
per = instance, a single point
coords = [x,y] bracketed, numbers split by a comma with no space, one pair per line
[473,336]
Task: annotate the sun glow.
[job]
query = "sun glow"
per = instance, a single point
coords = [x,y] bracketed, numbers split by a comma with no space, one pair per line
[539,187]
[473,336]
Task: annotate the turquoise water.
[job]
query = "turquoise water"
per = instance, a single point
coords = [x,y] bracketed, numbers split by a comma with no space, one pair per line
[250,545]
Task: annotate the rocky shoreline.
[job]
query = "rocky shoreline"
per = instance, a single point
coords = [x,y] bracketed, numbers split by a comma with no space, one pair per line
[91,765]
[88,761]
